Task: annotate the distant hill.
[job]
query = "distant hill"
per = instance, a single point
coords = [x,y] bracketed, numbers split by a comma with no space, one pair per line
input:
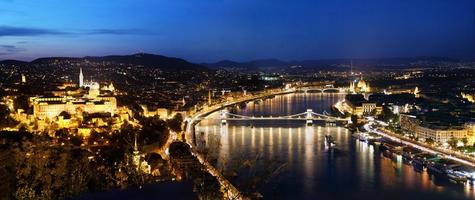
[173,64]
[13,62]
[147,60]
[274,64]
[251,65]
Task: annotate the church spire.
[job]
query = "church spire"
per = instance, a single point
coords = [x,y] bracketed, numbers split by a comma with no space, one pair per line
[136,149]
[81,78]
[351,67]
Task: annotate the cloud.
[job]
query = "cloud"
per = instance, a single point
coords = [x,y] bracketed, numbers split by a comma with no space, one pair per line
[116,32]
[9,49]
[27,31]
[22,31]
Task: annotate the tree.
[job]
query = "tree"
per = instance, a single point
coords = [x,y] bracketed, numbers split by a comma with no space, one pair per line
[154,130]
[430,141]
[124,138]
[175,123]
[62,133]
[76,140]
[373,112]
[465,141]
[5,119]
[453,142]
[354,119]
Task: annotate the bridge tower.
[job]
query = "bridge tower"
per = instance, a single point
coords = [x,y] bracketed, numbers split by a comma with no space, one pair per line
[309,117]
[224,114]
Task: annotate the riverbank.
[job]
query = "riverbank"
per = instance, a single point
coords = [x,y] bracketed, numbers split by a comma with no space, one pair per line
[424,147]
[194,118]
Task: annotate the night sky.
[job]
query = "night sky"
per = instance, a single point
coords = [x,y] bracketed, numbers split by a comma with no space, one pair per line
[212,30]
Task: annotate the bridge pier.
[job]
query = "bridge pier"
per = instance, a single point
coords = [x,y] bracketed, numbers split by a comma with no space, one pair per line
[330,123]
[224,114]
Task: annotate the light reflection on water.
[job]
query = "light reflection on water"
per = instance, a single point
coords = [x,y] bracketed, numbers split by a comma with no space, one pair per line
[352,170]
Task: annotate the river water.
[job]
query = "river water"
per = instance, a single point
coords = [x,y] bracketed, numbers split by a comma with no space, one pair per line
[288,159]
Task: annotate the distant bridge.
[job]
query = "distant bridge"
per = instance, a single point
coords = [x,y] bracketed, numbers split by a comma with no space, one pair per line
[322,89]
[309,116]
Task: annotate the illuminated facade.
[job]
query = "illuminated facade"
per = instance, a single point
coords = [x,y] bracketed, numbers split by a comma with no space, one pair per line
[50,107]
[356,104]
[163,113]
[360,86]
[468,97]
[23,78]
[416,91]
[441,135]
[413,125]
[92,102]
[363,109]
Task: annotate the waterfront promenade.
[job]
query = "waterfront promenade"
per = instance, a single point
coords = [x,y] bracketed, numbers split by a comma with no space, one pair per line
[453,155]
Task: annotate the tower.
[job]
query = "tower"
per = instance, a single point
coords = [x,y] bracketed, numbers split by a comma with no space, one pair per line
[136,154]
[81,78]
[351,67]
[23,78]
[209,97]
[352,87]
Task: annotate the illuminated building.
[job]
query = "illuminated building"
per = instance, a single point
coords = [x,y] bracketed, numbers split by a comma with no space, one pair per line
[416,91]
[50,107]
[441,134]
[468,97]
[356,104]
[109,87]
[92,102]
[138,159]
[359,86]
[23,78]
[470,127]
[409,122]
[163,113]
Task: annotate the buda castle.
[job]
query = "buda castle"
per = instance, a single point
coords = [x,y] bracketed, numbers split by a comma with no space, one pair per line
[86,97]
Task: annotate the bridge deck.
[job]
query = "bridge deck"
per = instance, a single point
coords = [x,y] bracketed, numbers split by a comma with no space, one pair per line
[277,118]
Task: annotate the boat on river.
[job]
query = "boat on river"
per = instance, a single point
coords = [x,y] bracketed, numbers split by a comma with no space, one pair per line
[422,159]
[329,141]
[442,166]
[409,153]
[391,149]
[458,174]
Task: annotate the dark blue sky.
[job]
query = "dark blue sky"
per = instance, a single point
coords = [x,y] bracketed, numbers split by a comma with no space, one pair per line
[211,30]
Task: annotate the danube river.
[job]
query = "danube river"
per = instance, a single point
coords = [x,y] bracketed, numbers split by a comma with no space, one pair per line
[289,160]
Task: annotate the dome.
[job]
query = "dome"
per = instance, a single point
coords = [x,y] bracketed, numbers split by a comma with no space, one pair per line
[361,83]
